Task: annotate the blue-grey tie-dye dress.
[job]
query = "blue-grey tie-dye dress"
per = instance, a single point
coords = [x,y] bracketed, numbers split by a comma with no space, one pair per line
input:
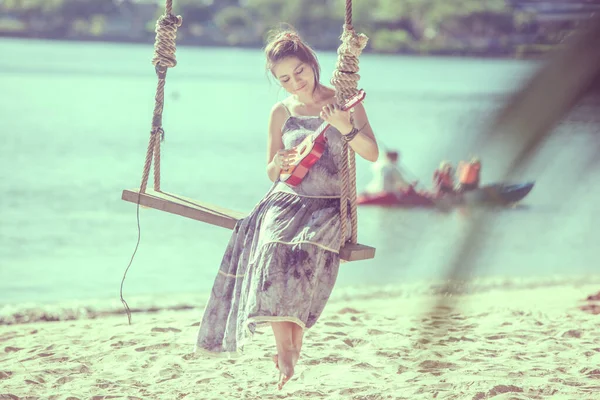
[282,260]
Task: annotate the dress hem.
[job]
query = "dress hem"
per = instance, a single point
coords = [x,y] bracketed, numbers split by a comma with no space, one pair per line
[260,323]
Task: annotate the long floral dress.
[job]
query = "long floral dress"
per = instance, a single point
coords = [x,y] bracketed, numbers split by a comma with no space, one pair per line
[282,260]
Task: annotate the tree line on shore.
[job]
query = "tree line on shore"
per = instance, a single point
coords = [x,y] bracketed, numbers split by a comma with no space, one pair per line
[484,27]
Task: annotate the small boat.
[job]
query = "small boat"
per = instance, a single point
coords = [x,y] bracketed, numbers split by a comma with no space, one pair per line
[492,194]
[499,193]
[410,198]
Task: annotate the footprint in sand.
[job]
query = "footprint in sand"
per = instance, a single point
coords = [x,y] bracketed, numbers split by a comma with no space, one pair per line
[80,369]
[59,359]
[401,369]
[63,380]
[574,333]
[498,390]
[166,330]
[354,342]
[8,335]
[172,372]
[595,373]
[204,380]
[336,324]
[39,355]
[364,365]
[105,384]
[348,310]
[331,359]
[120,344]
[453,339]
[355,392]
[153,347]
[497,337]
[434,367]
[389,354]
[189,356]
[172,369]
[337,333]
[5,374]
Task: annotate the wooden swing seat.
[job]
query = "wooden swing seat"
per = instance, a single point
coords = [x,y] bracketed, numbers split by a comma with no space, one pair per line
[219,216]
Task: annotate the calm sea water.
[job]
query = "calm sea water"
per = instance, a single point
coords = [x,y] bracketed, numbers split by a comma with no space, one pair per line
[75,120]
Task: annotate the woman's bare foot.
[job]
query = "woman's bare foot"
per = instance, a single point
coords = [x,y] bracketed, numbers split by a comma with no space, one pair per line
[285,363]
[296,357]
[288,349]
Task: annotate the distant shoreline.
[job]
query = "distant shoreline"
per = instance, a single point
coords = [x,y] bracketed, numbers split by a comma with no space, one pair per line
[463,53]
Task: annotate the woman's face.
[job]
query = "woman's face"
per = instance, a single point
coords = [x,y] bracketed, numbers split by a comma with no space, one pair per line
[295,76]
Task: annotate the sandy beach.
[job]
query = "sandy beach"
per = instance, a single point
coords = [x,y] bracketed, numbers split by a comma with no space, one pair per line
[507,342]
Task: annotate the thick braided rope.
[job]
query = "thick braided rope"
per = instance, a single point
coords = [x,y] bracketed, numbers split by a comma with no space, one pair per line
[352,194]
[147,164]
[344,195]
[349,12]
[164,58]
[156,163]
[345,79]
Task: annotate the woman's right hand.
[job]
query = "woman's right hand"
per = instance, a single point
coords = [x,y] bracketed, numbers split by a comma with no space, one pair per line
[284,158]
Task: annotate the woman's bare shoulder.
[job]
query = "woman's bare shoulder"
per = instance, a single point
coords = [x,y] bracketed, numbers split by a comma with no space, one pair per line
[279,110]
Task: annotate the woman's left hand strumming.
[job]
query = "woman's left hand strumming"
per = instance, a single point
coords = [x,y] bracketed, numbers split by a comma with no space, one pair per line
[337,118]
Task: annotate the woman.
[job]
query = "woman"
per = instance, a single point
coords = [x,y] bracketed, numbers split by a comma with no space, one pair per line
[468,175]
[387,176]
[282,260]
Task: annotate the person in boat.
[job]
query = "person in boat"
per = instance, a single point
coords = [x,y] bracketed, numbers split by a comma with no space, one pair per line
[443,180]
[468,175]
[387,177]
[282,260]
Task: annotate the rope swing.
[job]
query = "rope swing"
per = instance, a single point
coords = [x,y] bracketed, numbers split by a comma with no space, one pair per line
[345,79]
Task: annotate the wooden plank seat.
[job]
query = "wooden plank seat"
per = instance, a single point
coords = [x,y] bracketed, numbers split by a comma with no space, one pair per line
[218,216]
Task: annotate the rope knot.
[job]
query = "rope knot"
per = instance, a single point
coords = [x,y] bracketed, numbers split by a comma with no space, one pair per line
[352,43]
[164,45]
[345,77]
[158,130]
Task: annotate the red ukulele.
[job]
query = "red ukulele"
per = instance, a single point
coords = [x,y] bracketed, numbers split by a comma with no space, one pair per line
[311,148]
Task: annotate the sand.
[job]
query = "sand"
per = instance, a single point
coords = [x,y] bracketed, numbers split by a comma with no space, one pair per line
[373,343]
